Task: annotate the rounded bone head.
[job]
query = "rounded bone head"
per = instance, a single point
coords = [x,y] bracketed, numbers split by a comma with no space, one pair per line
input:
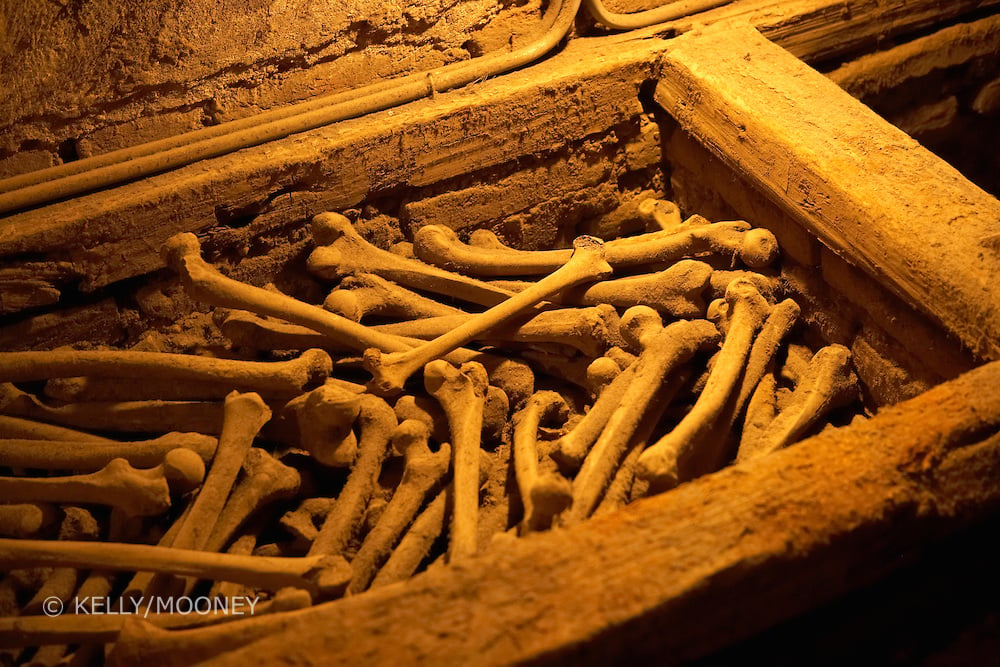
[184,469]
[759,249]
[179,246]
[442,377]
[344,303]
[638,323]
[328,227]
[410,438]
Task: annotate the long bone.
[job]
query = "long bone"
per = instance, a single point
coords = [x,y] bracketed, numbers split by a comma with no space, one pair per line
[462,394]
[572,447]
[125,416]
[204,283]
[376,422]
[423,473]
[342,252]
[26,520]
[266,480]
[322,574]
[391,371]
[663,352]
[600,373]
[769,286]
[677,291]
[417,542]
[663,213]
[546,495]
[249,330]
[280,377]
[118,484]
[755,247]
[559,366]
[672,459]
[590,330]
[367,294]
[828,383]
[303,522]
[92,456]
[15,428]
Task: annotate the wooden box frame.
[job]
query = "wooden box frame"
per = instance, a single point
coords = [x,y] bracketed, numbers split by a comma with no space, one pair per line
[717,560]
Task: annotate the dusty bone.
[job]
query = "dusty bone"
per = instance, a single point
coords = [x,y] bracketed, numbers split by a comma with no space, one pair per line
[125,416]
[325,417]
[376,422]
[391,371]
[271,573]
[495,412]
[600,373]
[118,484]
[266,480]
[829,383]
[416,543]
[342,252]
[280,377]
[245,414]
[572,447]
[768,286]
[673,458]
[77,524]
[15,428]
[543,496]
[590,330]
[304,521]
[462,394]
[204,283]
[663,213]
[247,330]
[663,353]
[762,408]
[735,240]
[485,238]
[26,520]
[367,294]
[91,456]
[776,327]
[423,474]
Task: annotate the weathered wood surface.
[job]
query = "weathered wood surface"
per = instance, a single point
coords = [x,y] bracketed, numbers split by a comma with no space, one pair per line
[866,189]
[587,88]
[682,574]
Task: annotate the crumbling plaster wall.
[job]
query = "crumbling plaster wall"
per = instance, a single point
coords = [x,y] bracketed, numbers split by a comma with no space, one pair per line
[84,77]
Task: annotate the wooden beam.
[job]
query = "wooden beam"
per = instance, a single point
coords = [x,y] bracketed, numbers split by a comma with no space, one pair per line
[679,575]
[867,190]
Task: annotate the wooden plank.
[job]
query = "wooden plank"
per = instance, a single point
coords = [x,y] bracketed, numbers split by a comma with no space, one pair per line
[679,575]
[867,190]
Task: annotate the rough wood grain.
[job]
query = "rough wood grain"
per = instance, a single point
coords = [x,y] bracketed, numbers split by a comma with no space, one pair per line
[867,190]
[681,574]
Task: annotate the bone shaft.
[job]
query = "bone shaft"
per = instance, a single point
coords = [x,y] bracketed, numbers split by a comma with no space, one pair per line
[416,544]
[29,366]
[273,573]
[465,462]
[91,456]
[78,489]
[25,429]
[133,417]
[574,445]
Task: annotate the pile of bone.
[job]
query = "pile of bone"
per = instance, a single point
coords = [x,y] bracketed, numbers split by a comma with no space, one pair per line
[377,449]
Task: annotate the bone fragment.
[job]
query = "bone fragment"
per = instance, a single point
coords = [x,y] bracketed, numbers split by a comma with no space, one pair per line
[377,422]
[462,394]
[600,373]
[342,252]
[367,294]
[304,521]
[416,543]
[391,371]
[280,377]
[664,352]
[422,476]
[829,383]
[92,456]
[543,496]
[324,417]
[675,457]
[664,214]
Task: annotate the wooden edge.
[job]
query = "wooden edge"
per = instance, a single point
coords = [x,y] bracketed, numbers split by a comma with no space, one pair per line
[867,190]
[682,574]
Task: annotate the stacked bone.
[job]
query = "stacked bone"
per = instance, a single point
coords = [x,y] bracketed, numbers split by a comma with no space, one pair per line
[618,387]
